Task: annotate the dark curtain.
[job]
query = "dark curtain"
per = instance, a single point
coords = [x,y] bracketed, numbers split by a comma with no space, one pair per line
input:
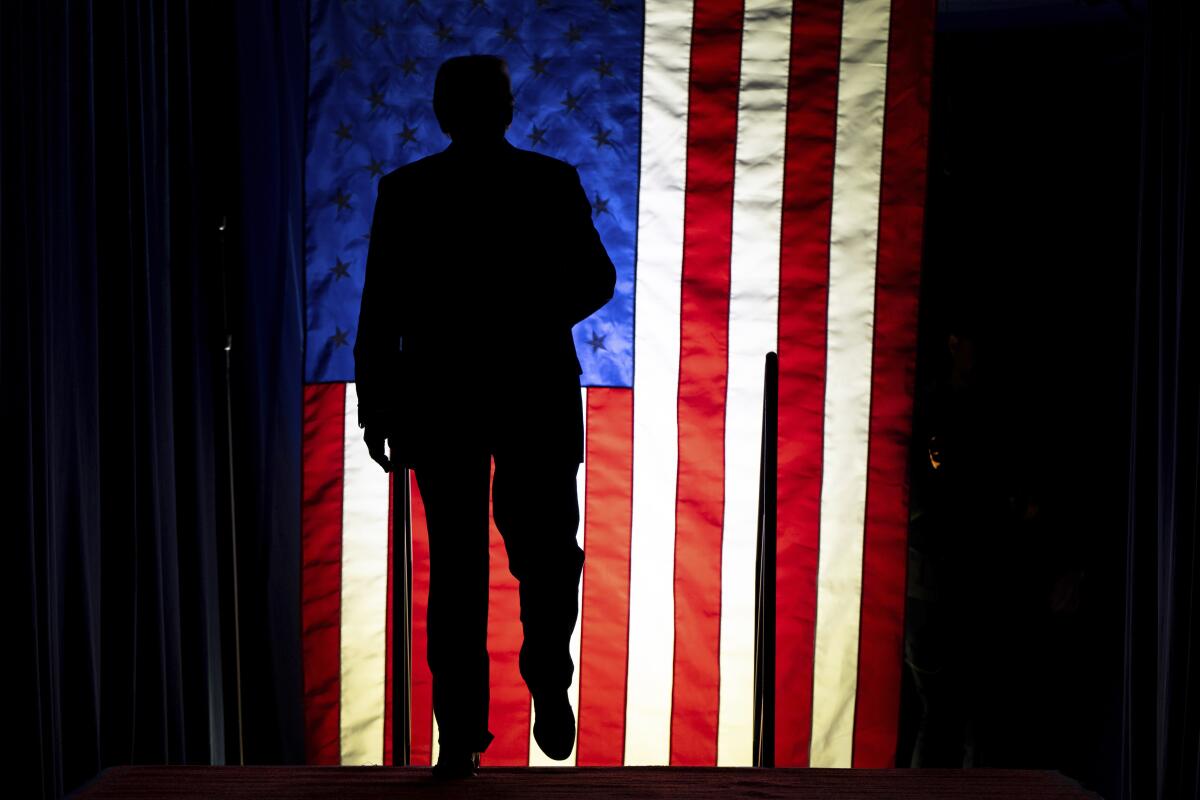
[129,129]
[271,87]
[1161,706]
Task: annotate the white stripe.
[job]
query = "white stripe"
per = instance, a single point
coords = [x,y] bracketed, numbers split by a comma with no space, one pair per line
[753,325]
[536,757]
[434,748]
[665,67]
[853,242]
[364,596]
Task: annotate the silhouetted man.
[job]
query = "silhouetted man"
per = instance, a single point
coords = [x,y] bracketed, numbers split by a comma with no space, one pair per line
[482,257]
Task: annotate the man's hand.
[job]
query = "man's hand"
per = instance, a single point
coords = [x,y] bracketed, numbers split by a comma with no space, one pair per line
[375,437]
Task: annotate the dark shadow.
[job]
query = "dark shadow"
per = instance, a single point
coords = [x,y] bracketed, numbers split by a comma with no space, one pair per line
[1020,439]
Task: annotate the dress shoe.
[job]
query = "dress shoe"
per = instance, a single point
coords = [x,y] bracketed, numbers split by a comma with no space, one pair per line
[554,724]
[456,764]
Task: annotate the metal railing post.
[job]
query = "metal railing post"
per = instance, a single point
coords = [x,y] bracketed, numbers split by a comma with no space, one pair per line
[401,619]
[764,582]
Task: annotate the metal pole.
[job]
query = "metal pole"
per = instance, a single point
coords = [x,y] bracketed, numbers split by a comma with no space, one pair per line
[233,547]
[764,582]
[402,612]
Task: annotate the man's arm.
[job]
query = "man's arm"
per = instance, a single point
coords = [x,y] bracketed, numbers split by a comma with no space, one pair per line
[591,272]
[376,345]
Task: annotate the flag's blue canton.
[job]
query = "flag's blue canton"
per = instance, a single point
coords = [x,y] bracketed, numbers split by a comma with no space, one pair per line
[576,71]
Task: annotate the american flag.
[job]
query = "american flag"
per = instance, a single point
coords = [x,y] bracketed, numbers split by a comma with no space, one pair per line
[756,172]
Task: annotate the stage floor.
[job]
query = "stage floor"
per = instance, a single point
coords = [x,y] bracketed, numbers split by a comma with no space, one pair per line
[550,783]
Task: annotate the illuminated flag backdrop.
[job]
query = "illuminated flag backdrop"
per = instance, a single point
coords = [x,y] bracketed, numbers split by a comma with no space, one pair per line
[756,171]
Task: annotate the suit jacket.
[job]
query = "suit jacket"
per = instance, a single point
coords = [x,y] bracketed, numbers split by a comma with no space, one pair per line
[481,259]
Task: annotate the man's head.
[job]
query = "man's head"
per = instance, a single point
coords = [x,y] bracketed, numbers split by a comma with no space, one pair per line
[472,97]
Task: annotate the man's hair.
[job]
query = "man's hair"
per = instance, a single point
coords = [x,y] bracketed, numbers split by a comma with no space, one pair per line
[473,95]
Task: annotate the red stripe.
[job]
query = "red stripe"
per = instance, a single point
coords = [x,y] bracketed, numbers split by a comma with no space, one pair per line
[803,296]
[910,50]
[604,619]
[422,681]
[389,652]
[509,715]
[703,368]
[321,568]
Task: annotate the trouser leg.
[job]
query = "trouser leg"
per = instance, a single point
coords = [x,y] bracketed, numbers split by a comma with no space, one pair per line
[455,494]
[537,512]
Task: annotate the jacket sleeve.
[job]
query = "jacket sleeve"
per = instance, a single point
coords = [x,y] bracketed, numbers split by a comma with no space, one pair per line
[592,276]
[377,344]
